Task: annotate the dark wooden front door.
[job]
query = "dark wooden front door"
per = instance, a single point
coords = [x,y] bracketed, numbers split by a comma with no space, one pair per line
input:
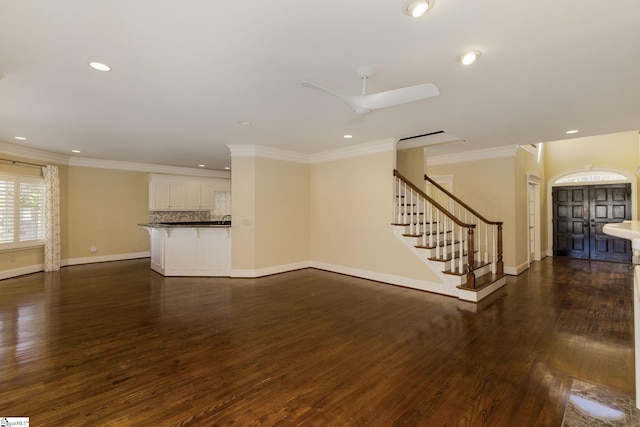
[580,212]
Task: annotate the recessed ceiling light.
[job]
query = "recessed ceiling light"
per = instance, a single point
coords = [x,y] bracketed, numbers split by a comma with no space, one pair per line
[417,8]
[244,122]
[572,131]
[227,168]
[76,151]
[470,57]
[21,138]
[348,136]
[200,166]
[99,66]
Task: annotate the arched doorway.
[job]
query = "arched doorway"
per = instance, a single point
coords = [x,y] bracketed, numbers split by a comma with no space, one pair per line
[581,203]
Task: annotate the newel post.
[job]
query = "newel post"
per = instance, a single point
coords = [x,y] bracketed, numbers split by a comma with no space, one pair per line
[471,276]
[500,264]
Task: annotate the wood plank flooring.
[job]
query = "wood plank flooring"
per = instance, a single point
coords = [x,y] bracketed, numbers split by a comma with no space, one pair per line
[115,344]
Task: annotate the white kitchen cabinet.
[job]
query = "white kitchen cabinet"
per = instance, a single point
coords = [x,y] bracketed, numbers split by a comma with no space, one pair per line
[193,197]
[183,193]
[190,251]
[167,195]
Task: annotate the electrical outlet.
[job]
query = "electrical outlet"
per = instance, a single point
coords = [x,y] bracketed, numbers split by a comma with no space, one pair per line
[378,261]
[93,249]
[12,258]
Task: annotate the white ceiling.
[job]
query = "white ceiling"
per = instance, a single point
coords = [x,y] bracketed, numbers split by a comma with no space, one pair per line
[186,72]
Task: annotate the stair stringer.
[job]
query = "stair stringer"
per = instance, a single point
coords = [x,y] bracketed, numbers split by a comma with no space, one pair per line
[449,283]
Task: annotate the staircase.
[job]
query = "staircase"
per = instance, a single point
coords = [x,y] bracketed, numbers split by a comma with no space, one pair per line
[460,245]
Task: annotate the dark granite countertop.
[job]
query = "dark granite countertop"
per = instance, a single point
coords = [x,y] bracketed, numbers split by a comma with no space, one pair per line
[194,224]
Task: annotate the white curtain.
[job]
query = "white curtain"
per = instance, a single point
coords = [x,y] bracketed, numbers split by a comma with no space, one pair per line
[52,218]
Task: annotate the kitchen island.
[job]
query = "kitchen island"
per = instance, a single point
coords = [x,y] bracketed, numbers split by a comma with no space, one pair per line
[190,248]
[631,230]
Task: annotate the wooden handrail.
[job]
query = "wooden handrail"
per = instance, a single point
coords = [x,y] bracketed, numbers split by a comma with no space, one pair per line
[467,207]
[433,202]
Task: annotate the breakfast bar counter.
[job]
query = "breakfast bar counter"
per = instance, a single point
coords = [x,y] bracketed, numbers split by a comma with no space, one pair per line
[190,248]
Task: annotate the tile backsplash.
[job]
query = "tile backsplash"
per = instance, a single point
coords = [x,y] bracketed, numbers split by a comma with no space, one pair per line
[180,216]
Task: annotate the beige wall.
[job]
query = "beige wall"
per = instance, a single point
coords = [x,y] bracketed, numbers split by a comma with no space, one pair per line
[270,211]
[98,207]
[103,208]
[488,186]
[282,213]
[617,150]
[351,213]
[410,163]
[243,212]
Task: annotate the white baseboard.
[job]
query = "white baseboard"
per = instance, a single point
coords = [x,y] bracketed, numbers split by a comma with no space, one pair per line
[268,271]
[7,274]
[439,288]
[37,268]
[514,271]
[104,258]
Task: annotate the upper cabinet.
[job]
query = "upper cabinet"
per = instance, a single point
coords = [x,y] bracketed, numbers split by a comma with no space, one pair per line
[173,192]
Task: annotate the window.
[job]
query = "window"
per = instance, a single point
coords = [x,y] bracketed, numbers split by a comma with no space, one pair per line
[589,177]
[21,211]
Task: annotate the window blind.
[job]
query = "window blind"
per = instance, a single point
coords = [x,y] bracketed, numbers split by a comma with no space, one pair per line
[31,211]
[22,205]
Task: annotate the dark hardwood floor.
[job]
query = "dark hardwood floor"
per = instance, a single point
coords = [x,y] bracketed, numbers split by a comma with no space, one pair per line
[117,344]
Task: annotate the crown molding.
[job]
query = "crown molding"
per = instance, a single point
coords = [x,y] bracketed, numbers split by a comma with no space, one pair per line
[242,150]
[60,159]
[471,156]
[32,153]
[146,167]
[374,147]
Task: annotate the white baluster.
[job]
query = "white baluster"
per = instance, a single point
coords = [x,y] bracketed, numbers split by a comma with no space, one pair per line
[430,225]
[424,221]
[453,247]
[398,201]
[437,234]
[494,263]
[486,243]
[404,204]
[461,248]
[444,249]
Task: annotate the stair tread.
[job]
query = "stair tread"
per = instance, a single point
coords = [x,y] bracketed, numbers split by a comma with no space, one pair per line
[456,254]
[422,234]
[449,243]
[456,272]
[483,281]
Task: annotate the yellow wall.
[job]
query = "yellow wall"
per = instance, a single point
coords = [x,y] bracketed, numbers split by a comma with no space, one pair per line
[270,211]
[103,209]
[98,207]
[410,163]
[488,186]
[619,151]
[282,213]
[243,212]
[351,213]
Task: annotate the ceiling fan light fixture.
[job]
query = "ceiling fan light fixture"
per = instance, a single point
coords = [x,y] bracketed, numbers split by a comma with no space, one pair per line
[469,57]
[417,8]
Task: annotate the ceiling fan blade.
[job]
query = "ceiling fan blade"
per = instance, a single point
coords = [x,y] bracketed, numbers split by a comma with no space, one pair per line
[394,97]
[346,98]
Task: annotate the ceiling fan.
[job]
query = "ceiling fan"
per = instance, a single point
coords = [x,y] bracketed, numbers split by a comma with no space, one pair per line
[365,103]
